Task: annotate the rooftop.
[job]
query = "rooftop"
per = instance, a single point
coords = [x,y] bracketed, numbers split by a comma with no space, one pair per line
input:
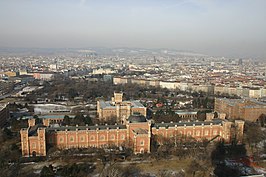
[136,117]
[48,117]
[73,128]
[249,102]
[140,131]
[197,123]
[108,104]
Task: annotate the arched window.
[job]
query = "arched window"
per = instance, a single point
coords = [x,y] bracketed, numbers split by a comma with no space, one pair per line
[71,139]
[102,137]
[82,138]
[142,142]
[34,145]
[112,137]
[214,132]
[61,139]
[189,133]
[197,133]
[206,132]
[170,135]
[92,138]
[122,137]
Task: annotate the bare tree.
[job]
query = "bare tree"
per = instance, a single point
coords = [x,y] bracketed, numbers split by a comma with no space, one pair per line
[111,170]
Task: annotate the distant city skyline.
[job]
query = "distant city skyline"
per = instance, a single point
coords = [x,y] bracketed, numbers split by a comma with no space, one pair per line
[230,28]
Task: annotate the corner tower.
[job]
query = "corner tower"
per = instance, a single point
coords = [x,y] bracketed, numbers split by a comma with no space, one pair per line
[118,97]
[33,140]
[139,133]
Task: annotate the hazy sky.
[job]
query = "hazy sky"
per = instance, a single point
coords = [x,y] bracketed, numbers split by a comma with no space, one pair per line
[215,27]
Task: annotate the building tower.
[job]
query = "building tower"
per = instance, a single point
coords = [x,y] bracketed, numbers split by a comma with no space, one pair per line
[118,97]
[33,140]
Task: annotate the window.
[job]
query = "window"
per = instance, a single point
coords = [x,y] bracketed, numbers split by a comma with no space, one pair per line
[102,137]
[206,132]
[122,137]
[214,132]
[92,138]
[112,137]
[189,133]
[198,133]
[82,139]
[61,140]
[33,145]
[71,139]
[142,142]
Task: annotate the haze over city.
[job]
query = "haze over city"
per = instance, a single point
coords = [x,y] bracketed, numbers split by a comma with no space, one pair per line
[234,28]
[140,88]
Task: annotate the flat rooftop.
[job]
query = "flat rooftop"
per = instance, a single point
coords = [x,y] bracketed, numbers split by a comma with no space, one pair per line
[249,102]
[108,104]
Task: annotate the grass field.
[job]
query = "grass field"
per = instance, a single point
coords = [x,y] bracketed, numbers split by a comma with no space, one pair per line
[171,164]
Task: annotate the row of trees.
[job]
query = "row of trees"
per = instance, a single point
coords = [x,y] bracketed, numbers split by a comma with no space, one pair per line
[180,146]
[9,151]
[91,90]
[165,116]
[72,170]
[79,119]
[203,102]
[253,136]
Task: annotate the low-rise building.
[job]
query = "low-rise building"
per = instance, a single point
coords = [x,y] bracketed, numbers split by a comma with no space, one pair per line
[137,134]
[120,80]
[168,84]
[103,71]
[47,76]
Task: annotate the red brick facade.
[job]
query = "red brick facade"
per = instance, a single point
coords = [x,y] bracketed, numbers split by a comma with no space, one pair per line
[247,109]
[137,135]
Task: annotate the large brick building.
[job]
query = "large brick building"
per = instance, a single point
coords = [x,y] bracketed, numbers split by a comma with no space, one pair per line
[118,108]
[247,109]
[137,133]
